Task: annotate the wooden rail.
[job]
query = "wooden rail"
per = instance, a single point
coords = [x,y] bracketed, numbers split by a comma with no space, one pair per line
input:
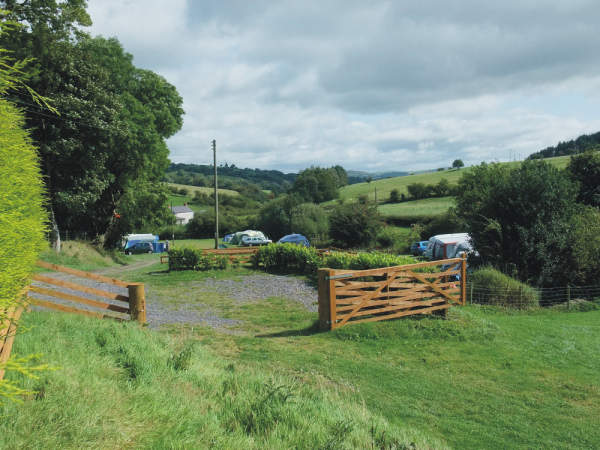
[8,329]
[351,296]
[108,305]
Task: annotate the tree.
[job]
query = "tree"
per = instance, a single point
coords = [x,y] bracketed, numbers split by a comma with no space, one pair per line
[585,245]
[394,196]
[519,219]
[419,190]
[317,185]
[114,117]
[310,220]
[457,164]
[585,170]
[22,217]
[354,224]
[442,189]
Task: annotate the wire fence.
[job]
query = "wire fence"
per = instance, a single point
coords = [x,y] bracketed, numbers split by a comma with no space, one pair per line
[571,297]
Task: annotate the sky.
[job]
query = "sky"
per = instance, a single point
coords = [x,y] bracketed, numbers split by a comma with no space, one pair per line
[373,86]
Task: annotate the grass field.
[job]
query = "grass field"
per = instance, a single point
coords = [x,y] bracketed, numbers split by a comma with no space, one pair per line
[205,190]
[484,378]
[385,186]
[428,207]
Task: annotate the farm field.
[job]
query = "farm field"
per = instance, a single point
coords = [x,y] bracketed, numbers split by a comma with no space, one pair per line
[428,207]
[385,186]
[260,376]
[205,190]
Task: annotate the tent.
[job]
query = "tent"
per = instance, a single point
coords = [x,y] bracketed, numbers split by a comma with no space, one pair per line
[443,246]
[294,239]
[237,237]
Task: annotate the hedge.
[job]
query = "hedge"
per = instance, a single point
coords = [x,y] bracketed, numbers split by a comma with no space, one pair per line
[196,259]
[492,287]
[292,258]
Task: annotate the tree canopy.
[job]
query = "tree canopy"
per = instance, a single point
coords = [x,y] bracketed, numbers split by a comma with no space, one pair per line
[109,138]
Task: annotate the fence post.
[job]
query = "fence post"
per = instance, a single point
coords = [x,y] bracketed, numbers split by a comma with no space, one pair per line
[471,296]
[326,306]
[137,302]
[568,297]
[463,279]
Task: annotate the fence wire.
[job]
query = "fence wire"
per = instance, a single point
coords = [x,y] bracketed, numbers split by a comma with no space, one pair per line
[568,296]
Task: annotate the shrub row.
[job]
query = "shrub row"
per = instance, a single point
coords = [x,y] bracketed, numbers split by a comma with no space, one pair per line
[296,259]
[492,287]
[195,259]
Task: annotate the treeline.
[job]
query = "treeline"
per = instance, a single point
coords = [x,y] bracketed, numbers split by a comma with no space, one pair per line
[581,144]
[230,177]
[102,145]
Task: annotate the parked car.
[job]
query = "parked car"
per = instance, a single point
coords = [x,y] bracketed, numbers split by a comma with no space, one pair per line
[294,239]
[251,241]
[140,247]
[417,248]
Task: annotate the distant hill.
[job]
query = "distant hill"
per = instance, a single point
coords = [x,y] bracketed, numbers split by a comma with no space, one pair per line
[230,177]
[572,147]
[357,176]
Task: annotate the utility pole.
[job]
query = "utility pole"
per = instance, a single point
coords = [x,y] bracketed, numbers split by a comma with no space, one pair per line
[214,147]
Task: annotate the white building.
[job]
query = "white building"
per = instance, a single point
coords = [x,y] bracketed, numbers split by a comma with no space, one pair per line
[182,214]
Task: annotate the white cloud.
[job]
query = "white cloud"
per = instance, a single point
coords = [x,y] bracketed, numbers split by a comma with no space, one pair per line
[369,85]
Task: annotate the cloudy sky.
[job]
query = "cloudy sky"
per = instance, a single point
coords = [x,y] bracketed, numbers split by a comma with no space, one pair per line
[377,85]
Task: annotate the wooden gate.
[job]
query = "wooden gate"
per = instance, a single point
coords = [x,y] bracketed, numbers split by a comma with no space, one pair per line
[353,296]
[108,298]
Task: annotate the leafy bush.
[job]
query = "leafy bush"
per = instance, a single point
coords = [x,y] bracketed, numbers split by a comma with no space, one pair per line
[492,287]
[354,224]
[289,258]
[292,258]
[448,222]
[195,259]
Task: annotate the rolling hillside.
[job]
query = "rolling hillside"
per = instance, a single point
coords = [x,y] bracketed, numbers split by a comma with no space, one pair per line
[385,186]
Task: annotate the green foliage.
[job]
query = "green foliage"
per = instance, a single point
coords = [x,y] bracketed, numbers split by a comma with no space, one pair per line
[310,220]
[449,222]
[458,163]
[585,246]
[395,196]
[285,215]
[317,185]
[196,259]
[203,224]
[419,190]
[288,258]
[582,144]
[114,118]
[354,224]
[492,287]
[584,169]
[519,217]
[22,217]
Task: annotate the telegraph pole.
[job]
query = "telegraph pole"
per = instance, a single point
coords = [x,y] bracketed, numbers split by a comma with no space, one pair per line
[214,147]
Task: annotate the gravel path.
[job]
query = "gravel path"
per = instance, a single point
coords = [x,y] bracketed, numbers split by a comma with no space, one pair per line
[162,311]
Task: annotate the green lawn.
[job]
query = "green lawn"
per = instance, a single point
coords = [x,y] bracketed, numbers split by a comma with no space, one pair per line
[385,186]
[484,378]
[428,207]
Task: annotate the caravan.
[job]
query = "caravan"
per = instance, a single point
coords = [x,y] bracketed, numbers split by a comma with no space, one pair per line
[444,246]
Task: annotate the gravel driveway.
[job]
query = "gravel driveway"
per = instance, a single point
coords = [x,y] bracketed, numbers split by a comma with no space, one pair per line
[186,309]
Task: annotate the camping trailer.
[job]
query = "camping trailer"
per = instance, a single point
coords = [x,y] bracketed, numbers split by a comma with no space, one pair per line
[444,246]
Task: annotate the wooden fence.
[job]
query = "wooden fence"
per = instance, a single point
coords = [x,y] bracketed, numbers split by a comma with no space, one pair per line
[98,302]
[350,296]
[8,329]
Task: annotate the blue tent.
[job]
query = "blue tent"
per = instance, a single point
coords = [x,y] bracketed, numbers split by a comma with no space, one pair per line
[294,239]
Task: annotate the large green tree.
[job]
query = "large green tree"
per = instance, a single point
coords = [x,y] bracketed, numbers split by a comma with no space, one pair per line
[114,118]
[519,219]
[585,170]
[317,184]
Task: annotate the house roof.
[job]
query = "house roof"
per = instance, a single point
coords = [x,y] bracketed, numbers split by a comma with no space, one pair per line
[180,209]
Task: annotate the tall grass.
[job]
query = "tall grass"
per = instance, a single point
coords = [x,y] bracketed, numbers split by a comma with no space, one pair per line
[492,287]
[118,385]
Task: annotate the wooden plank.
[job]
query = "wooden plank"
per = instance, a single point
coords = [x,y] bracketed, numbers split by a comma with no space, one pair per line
[407,267]
[70,309]
[8,342]
[74,298]
[403,313]
[402,306]
[463,279]
[369,296]
[421,278]
[82,274]
[78,287]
